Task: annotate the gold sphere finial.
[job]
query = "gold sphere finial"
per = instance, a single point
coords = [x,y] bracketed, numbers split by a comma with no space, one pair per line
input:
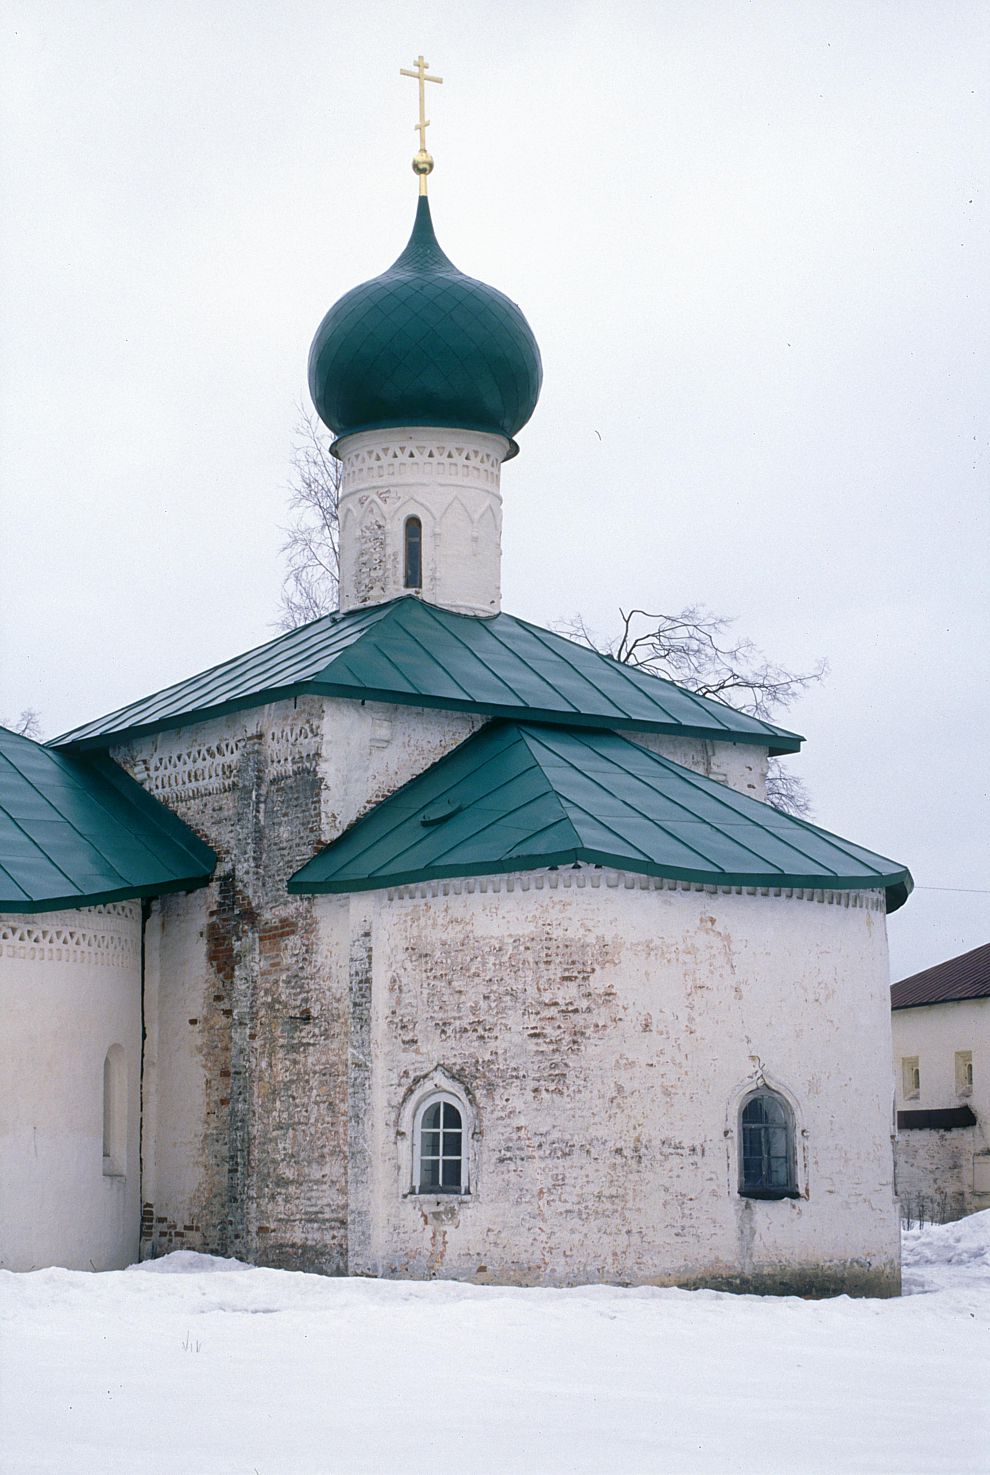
[423,161]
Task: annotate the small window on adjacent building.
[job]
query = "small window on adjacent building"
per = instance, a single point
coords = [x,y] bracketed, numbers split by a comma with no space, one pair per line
[964,1072]
[910,1077]
[440,1163]
[767,1168]
[114,1113]
[413,553]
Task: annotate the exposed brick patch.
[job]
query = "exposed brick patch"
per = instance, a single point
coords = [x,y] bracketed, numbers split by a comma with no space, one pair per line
[269,1038]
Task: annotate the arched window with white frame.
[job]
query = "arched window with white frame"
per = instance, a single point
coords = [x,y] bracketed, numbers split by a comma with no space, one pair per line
[440,1145]
[767,1158]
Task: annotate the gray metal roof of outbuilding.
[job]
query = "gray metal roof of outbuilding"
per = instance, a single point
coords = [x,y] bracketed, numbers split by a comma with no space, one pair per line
[964,977]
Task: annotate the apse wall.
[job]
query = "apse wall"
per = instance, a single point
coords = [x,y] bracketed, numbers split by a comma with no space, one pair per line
[602,1030]
[70,1048]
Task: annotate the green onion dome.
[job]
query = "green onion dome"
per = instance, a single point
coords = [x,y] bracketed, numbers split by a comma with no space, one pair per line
[425,345]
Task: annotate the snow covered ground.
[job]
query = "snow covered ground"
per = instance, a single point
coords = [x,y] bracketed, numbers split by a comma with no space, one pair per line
[197,1366]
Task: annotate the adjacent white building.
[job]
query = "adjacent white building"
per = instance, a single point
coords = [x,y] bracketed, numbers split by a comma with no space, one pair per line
[941,1034]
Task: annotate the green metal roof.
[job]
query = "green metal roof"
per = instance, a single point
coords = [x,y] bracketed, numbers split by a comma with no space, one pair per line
[80,832]
[521,797]
[415,653]
[423,344]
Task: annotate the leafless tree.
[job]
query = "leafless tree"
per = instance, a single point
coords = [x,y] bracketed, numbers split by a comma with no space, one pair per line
[28,724]
[695,648]
[310,550]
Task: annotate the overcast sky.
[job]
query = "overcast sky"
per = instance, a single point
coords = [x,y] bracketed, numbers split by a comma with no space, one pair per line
[752,240]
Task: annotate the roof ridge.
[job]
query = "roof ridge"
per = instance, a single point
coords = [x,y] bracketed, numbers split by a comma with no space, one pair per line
[515,733]
[523,729]
[722,794]
[596,818]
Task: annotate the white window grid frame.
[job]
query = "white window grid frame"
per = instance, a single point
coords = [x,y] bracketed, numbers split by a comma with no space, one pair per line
[454,1099]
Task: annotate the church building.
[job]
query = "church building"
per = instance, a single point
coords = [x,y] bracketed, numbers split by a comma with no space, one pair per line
[425,942]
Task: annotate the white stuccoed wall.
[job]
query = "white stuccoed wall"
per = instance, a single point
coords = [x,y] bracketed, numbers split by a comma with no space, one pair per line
[447,478]
[605,1027]
[70,988]
[944,1174]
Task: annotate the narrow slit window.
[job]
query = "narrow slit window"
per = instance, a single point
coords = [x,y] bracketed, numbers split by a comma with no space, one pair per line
[114,1113]
[108,1106]
[911,1077]
[413,555]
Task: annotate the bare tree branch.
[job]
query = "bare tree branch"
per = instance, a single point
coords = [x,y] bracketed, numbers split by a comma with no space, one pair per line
[311,548]
[696,650]
[787,792]
[28,724]
[692,648]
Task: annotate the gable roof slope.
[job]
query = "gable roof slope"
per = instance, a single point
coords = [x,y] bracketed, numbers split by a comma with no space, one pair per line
[964,977]
[418,654]
[516,796]
[80,831]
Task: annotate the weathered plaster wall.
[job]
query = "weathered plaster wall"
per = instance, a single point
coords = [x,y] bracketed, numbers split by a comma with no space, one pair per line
[70,988]
[943,1174]
[604,1027]
[449,479]
[245,1068]
[370,749]
[937,1172]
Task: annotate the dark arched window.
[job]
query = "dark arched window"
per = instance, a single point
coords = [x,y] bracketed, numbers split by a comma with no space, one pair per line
[413,553]
[767,1132]
[440,1144]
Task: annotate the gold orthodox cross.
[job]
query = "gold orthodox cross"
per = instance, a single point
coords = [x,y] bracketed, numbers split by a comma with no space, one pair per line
[422,163]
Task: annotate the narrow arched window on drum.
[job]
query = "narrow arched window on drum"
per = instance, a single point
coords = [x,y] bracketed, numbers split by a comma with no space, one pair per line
[413,556]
